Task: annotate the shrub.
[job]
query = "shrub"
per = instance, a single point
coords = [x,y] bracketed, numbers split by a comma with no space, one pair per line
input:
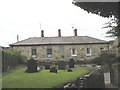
[80,62]
[11,59]
[104,58]
[47,65]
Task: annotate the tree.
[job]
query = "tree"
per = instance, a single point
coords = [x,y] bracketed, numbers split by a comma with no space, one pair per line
[104,9]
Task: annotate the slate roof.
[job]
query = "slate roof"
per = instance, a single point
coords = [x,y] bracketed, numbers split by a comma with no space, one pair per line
[58,40]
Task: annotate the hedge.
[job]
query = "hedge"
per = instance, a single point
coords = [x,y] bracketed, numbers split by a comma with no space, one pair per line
[11,59]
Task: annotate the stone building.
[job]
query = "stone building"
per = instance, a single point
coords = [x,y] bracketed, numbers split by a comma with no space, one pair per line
[115,47]
[60,48]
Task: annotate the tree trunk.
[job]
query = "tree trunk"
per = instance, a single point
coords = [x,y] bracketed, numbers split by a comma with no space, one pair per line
[119,28]
[119,45]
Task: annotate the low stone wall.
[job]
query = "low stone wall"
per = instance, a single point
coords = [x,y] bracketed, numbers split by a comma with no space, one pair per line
[115,74]
[95,79]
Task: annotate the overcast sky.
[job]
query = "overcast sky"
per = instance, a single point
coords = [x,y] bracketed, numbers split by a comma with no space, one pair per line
[23,17]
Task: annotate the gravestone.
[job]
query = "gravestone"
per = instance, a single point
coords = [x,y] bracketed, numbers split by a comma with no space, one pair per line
[61,65]
[71,63]
[31,66]
[53,70]
[70,70]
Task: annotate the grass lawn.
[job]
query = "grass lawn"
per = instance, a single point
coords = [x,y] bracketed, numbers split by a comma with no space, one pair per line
[42,79]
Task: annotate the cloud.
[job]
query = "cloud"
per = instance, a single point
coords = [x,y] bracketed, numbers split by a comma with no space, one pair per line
[23,17]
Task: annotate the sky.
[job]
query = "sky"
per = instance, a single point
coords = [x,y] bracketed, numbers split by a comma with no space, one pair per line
[27,18]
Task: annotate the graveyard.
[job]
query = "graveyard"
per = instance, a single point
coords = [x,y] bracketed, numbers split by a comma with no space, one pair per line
[49,74]
[19,78]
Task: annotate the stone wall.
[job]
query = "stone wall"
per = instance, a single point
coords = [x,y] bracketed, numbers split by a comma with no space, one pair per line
[94,79]
[58,51]
[115,48]
[115,74]
[1,59]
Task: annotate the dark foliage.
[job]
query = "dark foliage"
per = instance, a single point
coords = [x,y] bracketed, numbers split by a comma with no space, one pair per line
[11,60]
[47,64]
[53,70]
[105,9]
[104,59]
[80,62]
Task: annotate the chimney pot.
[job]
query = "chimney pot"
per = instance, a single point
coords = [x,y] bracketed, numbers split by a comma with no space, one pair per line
[75,32]
[59,32]
[17,38]
[42,33]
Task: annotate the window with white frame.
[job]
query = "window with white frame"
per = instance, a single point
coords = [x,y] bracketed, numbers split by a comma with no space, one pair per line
[49,52]
[34,53]
[88,51]
[74,52]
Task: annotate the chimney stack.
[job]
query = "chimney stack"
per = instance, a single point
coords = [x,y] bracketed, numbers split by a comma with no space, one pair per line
[75,32]
[17,38]
[42,33]
[59,32]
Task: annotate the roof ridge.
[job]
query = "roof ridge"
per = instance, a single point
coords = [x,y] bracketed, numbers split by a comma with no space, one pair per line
[21,40]
[96,38]
[58,37]
[59,40]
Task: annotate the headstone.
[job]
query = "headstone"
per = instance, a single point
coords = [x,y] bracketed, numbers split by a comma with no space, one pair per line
[61,65]
[70,70]
[71,63]
[31,66]
[53,70]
